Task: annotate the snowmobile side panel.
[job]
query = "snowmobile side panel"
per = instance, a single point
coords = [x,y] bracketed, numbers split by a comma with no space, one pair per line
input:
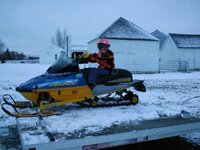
[68,94]
[60,94]
[33,96]
[102,89]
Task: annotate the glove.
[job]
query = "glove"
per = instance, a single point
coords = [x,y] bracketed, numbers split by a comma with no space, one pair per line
[85,55]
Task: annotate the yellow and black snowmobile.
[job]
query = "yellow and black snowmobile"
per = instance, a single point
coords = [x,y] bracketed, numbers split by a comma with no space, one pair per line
[65,83]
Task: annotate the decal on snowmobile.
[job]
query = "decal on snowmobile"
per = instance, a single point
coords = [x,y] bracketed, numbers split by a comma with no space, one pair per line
[121,80]
[79,75]
[64,83]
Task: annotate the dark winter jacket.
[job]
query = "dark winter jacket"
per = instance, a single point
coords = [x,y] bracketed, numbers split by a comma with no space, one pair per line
[105,59]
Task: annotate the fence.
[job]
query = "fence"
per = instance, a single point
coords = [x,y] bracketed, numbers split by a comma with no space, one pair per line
[173,66]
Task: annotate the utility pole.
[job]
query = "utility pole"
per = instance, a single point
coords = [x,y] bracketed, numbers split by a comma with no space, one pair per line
[67,45]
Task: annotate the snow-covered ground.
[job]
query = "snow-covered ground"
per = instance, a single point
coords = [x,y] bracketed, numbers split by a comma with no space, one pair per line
[167,95]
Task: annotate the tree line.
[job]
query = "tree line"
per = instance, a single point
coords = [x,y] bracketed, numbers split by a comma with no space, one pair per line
[11,55]
[60,39]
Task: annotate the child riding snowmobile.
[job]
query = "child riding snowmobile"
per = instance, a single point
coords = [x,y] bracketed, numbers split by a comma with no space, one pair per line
[65,83]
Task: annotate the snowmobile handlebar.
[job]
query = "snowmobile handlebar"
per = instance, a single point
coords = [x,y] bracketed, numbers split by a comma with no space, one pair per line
[80,61]
[83,58]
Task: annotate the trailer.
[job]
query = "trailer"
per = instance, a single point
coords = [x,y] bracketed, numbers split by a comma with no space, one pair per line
[40,138]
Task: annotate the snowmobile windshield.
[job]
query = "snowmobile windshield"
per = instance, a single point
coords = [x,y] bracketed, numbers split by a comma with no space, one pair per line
[63,64]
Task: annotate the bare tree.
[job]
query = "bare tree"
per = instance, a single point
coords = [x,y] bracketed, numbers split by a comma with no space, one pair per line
[2,47]
[61,39]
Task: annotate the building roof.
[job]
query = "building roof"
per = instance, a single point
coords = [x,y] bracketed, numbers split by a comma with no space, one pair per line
[186,40]
[79,47]
[126,30]
[161,36]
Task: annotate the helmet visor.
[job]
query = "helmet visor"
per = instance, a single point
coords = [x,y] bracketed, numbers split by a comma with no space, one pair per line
[103,46]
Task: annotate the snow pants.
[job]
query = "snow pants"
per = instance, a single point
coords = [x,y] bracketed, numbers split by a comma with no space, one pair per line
[94,73]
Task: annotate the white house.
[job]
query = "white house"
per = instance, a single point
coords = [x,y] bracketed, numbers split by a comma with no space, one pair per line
[134,48]
[180,52]
[49,54]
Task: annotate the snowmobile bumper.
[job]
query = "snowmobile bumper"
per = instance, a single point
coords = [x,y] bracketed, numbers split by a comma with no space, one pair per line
[139,85]
[23,89]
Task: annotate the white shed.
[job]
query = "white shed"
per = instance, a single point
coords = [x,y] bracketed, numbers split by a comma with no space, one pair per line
[49,54]
[134,48]
[180,52]
[161,36]
[76,50]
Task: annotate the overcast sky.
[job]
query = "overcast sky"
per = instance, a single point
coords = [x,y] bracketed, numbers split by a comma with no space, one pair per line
[35,21]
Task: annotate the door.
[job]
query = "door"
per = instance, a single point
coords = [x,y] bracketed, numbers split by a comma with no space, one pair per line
[197,59]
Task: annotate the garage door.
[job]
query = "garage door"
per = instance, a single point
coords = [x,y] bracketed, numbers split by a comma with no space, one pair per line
[188,55]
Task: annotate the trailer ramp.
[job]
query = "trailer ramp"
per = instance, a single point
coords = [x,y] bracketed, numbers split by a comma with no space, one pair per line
[116,136]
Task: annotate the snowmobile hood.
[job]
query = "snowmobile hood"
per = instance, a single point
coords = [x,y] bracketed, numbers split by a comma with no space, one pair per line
[31,84]
[63,67]
[52,81]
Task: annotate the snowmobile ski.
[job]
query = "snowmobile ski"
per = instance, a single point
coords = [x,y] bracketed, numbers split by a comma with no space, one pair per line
[8,99]
[18,114]
[9,102]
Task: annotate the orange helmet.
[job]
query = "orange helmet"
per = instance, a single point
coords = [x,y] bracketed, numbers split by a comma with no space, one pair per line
[104,41]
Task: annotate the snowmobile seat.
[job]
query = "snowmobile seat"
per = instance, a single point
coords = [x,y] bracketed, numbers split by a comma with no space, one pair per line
[115,77]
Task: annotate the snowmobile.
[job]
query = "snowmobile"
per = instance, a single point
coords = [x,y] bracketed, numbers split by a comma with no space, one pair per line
[64,82]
